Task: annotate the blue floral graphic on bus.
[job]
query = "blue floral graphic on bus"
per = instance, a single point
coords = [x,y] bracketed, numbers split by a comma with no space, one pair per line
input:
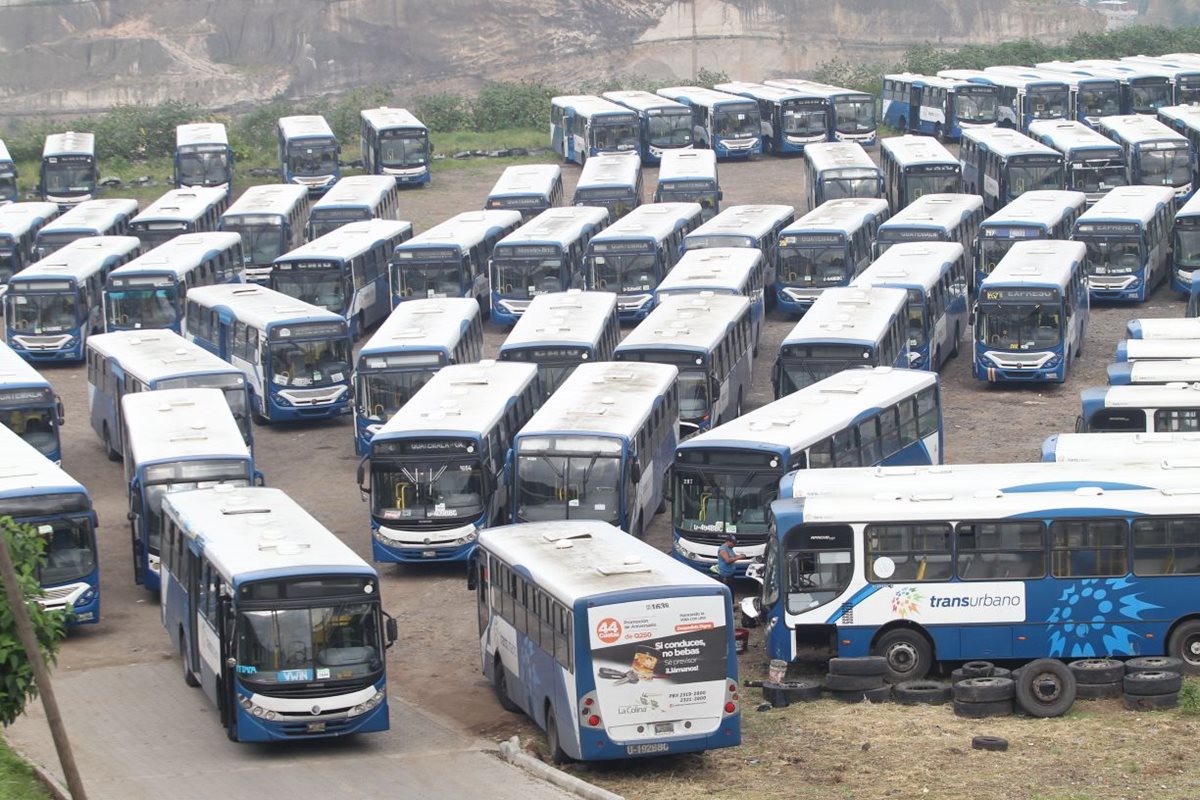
[1087,618]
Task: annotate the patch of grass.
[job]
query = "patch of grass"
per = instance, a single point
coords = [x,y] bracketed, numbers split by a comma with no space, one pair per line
[1189,697]
[453,141]
[16,778]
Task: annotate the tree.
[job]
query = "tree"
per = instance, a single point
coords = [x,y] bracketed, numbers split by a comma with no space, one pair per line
[17,686]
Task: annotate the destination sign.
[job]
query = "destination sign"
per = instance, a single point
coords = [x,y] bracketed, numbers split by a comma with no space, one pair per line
[25,396]
[431,254]
[623,247]
[927,168]
[1010,232]
[909,235]
[308,330]
[1102,228]
[304,265]
[803,239]
[142,280]
[527,250]
[412,446]
[76,159]
[516,202]
[1019,294]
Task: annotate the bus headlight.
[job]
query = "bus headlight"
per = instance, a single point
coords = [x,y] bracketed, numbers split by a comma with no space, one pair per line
[1054,361]
[255,710]
[369,705]
[86,597]
[683,551]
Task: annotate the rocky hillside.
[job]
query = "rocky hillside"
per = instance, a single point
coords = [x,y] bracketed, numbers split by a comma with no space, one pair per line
[64,56]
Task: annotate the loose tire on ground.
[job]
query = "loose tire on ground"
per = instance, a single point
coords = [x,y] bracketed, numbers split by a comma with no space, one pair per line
[1000,672]
[995,744]
[852,683]
[773,693]
[1098,691]
[865,665]
[984,690]
[1001,708]
[801,691]
[880,694]
[1153,664]
[978,669]
[1091,671]
[911,693]
[1045,688]
[1150,702]
[1142,683]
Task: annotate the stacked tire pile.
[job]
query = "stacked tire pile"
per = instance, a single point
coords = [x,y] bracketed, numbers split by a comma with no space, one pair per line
[853,680]
[782,694]
[1151,683]
[1042,688]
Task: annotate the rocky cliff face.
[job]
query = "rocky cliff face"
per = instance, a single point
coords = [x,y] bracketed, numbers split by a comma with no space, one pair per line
[72,56]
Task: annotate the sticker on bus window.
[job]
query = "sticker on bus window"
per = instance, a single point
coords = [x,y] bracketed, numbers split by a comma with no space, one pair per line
[884,567]
[301,382]
[20,300]
[294,675]
[599,507]
[337,377]
[573,503]
[323,674]
[280,379]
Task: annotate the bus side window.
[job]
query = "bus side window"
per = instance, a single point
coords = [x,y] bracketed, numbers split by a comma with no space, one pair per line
[845,449]
[870,443]
[252,345]
[1168,546]
[889,431]
[918,551]
[1176,420]
[908,421]
[1088,548]
[1000,550]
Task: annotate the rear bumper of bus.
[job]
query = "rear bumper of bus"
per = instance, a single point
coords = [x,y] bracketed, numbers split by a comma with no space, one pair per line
[294,719]
[394,546]
[597,745]
[994,367]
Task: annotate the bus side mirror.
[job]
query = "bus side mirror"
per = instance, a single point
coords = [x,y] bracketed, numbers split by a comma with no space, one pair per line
[635,471]
[392,629]
[668,490]
[363,490]
[714,386]
[472,574]
[1080,427]
[971,316]
[720,194]
[58,409]
[259,479]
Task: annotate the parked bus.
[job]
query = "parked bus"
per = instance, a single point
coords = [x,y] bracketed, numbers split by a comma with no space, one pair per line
[90,218]
[543,256]
[1154,372]
[271,220]
[1021,98]
[1155,155]
[28,405]
[196,209]
[345,271]
[710,340]
[1003,164]
[309,153]
[599,448]
[850,113]
[1031,318]
[934,218]
[1163,328]
[1185,247]
[634,254]
[539,587]
[1138,350]
[1040,214]
[791,119]
[149,291]
[451,259]
[53,305]
[663,124]
[8,176]
[527,188]
[176,440]
[1185,120]
[295,356]
[269,609]
[142,361]
[436,473]
[826,247]
[355,198]
[914,166]
[39,494]
[836,170]
[725,479]
[1120,448]
[582,126]
[1091,96]
[727,124]
[68,173]
[1144,408]
[740,271]
[938,107]
[203,156]
[689,176]
[559,331]
[1185,77]
[612,181]
[395,143]
[935,276]
[416,340]
[19,227]
[846,327]
[1142,92]
[1127,234]
[756,226]
[1093,163]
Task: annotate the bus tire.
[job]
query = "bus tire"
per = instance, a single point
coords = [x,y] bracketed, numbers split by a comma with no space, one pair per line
[1153,664]
[1139,683]
[553,743]
[908,653]
[984,690]
[875,666]
[359,327]
[1150,702]
[1092,671]
[938,133]
[1045,688]
[500,684]
[1184,644]
[188,676]
[903,124]
[109,450]
[911,693]
[957,336]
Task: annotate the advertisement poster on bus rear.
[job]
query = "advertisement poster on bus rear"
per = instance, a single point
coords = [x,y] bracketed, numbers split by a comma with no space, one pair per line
[659,664]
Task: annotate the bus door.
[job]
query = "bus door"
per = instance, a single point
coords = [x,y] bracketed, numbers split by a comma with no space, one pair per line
[223,694]
[914,107]
[191,613]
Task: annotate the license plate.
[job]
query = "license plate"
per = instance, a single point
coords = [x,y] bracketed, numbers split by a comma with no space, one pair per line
[664,727]
[642,749]
[315,727]
[428,553]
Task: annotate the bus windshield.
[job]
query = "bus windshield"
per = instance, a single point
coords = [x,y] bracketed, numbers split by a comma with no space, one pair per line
[402,150]
[49,243]
[815,577]
[321,224]
[70,555]
[850,183]
[1148,98]
[37,426]
[325,642]
[310,364]
[921,183]
[992,251]
[1046,103]
[632,272]
[669,130]
[8,263]
[1019,326]
[830,360]
[324,287]
[147,307]
[8,183]
[914,316]
[813,267]
[1187,247]
[693,394]
[712,501]
[68,177]
[524,278]
[437,278]
[42,312]
[735,122]
[801,121]
[614,136]
[854,114]
[554,485]
[1099,102]
[312,160]
[427,488]
[262,242]
[204,169]
[981,109]
[1113,256]
[1028,177]
[381,394]
[1097,176]
[1164,167]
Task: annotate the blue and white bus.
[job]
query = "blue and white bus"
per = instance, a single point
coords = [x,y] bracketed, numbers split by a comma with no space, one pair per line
[573,615]
[1185,246]
[90,218]
[663,124]
[355,198]
[709,338]
[309,153]
[914,166]
[1156,449]
[846,327]
[935,276]
[740,271]
[1040,214]
[1030,320]
[1184,76]
[53,305]
[938,107]
[1002,165]
[295,356]
[416,340]
[68,173]
[583,125]
[561,330]
[28,405]
[690,176]
[1142,91]
[451,259]
[1159,373]
[527,188]
[1093,162]
[826,247]
[850,113]
[437,467]
[1155,155]
[203,156]
[1185,120]
[176,440]
[196,209]
[727,124]
[792,119]
[1128,236]
[149,291]
[756,226]
[725,479]
[543,256]
[8,175]
[1163,328]
[271,220]
[1021,98]
[934,218]
[395,143]
[1092,96]
[612,181]
[142,361]
[599,448]
[276,619]
[633,255]
[345,271]
[19,226]
[37,493]
[835,170]
[1132,351]
[1139,408]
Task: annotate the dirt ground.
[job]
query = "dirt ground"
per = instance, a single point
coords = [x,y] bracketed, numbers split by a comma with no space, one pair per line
[436,661]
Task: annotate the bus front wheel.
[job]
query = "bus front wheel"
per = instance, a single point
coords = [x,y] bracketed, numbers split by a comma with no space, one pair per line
[553,743]
[500,683]
[907,653]
[109,450]
[188,676]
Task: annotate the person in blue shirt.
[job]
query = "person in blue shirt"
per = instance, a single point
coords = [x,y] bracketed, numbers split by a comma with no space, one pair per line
[727,559]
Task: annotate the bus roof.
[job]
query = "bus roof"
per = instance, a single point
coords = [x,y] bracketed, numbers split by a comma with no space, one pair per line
[575,560]
[710,269]
[1133,204]
[92,215]
[610,169]
[384,119]
[24,471]
[169,425]
[69,143]
[349,240]
[523,179]
[843,215]
[17,218]
[357,190]
[1164,328]
[1188,116]
[759,91]
[80,258]
[650,220]
[1138,350]
[911,264]
[1176,68]
[305,126]
[460,399]
[15,371]
[942,211]
[606,398]
[1069,136]
[823,156]
[1189,209]
[813,88]
[197,133]
[268,199]
[1102,69]
[179,255]
[1042,206]
[4,156]
[1007,80]
[260,307]
[1138,129]
[934,81]
[422,324]
[559,226]
[573,317]
[911,150]
[698,95]
[153,354]
[677,165]
[810,414]
[756,220]
[189,203]
[259,533]
[1145,395]
[1072,79]
[1006,143]
[464,230]
[687,322]
[645,102]
[1042,262]
[848,314]
[1122,448]
[1184,370]
[589,105]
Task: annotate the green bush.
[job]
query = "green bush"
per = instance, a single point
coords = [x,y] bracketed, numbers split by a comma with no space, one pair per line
[443,111]
[512,105]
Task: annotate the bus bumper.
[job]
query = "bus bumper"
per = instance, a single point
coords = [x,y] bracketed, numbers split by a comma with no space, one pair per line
[738,148]
[409,177]
[273,719]
[996,368]
[47,348]
[283,410]
[792,301]
[394,546]
[704,556]
[507,312]
[81,598]
[634,307]
[597,745]
[364,432]
[1116,289]
[1181,280]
